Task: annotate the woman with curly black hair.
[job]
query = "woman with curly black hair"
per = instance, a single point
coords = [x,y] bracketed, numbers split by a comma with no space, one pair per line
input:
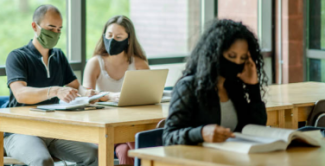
[220,90]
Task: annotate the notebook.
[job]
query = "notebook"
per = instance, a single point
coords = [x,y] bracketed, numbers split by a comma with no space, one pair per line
[77,103]
[258,139]
[167,95]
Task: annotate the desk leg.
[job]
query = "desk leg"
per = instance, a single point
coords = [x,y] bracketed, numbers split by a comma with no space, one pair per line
[281,118]
[1,148]
[106,147]
[146,163]
[294,118]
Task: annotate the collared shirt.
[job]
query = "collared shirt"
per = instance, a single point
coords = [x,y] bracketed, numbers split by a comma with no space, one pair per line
[26,64]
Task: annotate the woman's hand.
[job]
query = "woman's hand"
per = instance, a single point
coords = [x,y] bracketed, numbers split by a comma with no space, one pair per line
[249,74]
[216,133]
[115,97]
[91,92]
[111,96]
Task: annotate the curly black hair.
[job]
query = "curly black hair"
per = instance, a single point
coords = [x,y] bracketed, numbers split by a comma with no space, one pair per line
[203,63]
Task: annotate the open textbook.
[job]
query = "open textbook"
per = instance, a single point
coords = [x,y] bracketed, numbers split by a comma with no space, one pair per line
[257,139]
[76,103]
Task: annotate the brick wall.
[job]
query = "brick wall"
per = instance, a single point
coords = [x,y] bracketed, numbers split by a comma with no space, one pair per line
[239,10]
[247,12]
[292,41]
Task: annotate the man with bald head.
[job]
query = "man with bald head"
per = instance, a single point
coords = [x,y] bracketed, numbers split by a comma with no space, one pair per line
[40,74]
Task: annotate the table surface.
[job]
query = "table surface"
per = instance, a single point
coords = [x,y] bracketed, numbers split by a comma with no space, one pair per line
[270,106]
[110,116]
[200,156]
[283,96]
[296,93]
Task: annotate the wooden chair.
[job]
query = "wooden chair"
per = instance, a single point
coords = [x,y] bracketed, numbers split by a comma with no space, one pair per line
[149,138]
[161,124]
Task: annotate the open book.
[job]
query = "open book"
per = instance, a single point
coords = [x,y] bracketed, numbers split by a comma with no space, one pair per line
[76,103]
[256,139]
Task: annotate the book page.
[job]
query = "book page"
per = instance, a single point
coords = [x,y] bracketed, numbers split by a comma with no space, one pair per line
[307,137]
[256,139]
[84,100]
[98,96]
[263,131]
[78,100]
[248,144]
[235,145]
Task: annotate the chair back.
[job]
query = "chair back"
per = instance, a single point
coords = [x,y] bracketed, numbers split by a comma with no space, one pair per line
[4,100]
[146,139]
[317,116]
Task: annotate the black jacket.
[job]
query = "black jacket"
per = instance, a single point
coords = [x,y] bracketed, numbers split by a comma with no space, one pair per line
[187,116]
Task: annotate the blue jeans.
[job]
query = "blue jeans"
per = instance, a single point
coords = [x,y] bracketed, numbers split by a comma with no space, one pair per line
[4,101]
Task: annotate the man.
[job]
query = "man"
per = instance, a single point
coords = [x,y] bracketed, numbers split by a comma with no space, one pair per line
[40,74]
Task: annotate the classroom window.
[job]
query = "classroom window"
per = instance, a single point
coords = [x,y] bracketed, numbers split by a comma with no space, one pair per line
[316,21]
[16,31]
[316,40]
[4,91]
[166,28]
[16,18]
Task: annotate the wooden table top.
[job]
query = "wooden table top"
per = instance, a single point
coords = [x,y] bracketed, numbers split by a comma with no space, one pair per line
[271,106]
[111,116]
[283,96]
[304,93]
[108,116]
[200,156]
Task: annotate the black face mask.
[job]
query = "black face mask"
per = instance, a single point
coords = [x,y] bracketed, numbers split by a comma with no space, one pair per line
[114,47]
[229,69]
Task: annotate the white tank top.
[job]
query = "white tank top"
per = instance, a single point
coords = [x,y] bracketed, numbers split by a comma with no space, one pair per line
[105,82]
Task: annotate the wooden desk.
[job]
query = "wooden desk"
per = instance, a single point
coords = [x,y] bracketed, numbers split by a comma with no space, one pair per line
[199,156]
[105,127]
[118,125]
[278,114]
[301,95]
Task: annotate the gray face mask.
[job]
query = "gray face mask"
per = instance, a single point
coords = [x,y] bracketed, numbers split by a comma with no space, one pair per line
[48,39]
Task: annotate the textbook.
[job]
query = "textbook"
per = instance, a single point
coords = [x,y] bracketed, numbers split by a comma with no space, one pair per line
[76,103]
[258,139]
[167,95]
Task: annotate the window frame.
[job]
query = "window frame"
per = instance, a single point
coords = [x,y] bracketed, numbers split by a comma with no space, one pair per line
[310,53]
[76,35]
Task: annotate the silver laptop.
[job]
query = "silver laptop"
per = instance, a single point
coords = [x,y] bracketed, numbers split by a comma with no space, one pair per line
[141,87]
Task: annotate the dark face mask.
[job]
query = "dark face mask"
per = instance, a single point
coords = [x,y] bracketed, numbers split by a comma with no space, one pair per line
[229,69]
[114,47]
